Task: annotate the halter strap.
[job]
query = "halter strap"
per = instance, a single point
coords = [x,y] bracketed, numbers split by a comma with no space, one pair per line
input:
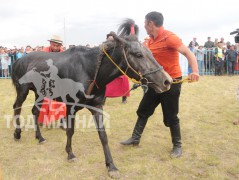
[153,71]
[132,79]
[130,67]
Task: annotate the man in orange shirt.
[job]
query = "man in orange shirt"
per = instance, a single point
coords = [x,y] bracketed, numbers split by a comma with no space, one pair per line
[165,47]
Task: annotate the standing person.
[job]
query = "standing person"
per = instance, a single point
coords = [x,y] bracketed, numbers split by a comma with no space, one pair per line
[20,53]
[200,59]
[218,59]
[223,42]
[165,47]
[28,49]
[53,110]
[231,55]
[119,86]
[209,45]
[193,44]
[4,62]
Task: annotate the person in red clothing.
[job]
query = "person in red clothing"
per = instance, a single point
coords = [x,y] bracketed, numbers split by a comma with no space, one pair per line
[119,87]
[55,44]
[165,47]
[52,110]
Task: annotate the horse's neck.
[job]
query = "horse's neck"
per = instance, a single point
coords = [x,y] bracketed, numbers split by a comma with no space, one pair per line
[108,71]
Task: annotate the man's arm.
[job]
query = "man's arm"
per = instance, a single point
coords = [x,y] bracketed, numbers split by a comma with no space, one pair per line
[192,62]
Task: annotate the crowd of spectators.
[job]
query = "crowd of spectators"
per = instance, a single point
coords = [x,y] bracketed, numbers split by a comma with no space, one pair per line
[211,61]
[205,55]
[9,55]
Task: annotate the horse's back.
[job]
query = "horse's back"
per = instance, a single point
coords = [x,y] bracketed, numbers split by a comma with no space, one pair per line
[26,63]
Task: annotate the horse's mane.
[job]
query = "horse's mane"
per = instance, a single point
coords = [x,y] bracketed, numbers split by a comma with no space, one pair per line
[125,28]
[82,49]
[78,48]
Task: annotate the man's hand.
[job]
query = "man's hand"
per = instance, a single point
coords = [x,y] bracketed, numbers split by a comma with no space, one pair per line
[194,76]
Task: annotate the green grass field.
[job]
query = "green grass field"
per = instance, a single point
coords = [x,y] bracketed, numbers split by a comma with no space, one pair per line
[210,140]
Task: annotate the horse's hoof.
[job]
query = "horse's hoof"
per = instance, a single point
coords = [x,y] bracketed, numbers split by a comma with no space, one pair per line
[17,137]
[236,122]
[71,158]
[114,174]
[42,141]
[17,140]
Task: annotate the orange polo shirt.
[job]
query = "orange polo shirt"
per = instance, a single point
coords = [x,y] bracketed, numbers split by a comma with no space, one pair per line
[164,49]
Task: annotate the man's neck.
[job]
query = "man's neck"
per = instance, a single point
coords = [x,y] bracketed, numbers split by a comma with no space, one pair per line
[157,31]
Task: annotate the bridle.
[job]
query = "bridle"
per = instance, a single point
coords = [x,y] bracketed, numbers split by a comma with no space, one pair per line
[142,79]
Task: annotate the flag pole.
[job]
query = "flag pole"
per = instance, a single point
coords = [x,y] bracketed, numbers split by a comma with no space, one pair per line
[65,32]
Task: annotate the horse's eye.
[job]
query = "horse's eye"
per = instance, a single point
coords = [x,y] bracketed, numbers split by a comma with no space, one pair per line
[139,55]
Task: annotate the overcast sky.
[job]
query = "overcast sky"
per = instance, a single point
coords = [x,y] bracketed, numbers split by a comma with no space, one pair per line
[28,22]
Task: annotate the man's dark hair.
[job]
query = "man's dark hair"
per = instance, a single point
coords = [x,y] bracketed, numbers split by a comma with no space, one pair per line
[155,17]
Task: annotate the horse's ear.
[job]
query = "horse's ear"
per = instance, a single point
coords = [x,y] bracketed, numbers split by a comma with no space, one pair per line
[119,39]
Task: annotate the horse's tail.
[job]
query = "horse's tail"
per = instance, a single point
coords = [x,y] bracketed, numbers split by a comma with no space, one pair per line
[128,27]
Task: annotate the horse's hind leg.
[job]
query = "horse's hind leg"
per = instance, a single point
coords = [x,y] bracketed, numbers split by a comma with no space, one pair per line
[70,122]
[36,112]
[22,92]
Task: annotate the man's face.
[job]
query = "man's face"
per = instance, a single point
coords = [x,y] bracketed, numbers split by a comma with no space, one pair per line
[55,46]
[148,25]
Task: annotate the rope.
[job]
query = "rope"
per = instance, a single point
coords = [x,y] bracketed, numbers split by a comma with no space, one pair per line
[132,79]
[177,81]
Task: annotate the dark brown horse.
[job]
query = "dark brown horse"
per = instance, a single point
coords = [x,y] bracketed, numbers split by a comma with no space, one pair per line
[52,75]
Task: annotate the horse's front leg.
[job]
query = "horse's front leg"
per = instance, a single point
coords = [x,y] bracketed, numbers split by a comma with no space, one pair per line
[35,112]
[98,117]
[70,122]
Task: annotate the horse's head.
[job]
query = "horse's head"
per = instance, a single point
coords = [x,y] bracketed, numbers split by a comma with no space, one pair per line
[140,64]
